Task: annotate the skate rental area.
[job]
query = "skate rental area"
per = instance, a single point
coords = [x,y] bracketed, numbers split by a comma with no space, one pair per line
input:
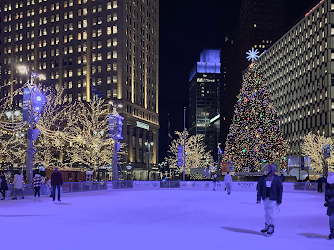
[164,219]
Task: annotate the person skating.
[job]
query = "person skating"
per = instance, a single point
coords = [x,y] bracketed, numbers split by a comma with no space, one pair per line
[228,182]
[329,198]
[320,181]
[215,182]
[3,185]
[37,182]
[270,190]
[18,186]
[56,182]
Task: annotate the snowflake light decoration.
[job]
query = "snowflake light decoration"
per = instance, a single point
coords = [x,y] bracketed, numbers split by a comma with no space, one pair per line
[252,54]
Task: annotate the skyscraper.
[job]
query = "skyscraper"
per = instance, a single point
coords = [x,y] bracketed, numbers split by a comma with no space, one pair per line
[113,45]
[204,91]
[262,22]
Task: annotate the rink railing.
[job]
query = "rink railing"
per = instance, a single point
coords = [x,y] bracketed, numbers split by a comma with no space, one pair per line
[74,187]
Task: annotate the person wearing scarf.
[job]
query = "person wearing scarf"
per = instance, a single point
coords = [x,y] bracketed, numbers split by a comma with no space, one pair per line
[329,198]
[270,190]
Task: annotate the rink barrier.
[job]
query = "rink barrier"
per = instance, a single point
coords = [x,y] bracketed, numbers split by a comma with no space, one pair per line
[75,187]
[67,187]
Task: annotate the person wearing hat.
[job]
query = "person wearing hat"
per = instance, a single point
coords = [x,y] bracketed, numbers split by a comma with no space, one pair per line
[270,190]
[329,198]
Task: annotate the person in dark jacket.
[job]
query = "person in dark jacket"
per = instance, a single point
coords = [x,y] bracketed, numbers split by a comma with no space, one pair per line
[320,181]
[3,185]
[283,177]
[56,182]
[270,190]
[329,198]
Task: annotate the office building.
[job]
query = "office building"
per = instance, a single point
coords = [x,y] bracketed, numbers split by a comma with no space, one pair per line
[204,93]
[299,69]
[113,45]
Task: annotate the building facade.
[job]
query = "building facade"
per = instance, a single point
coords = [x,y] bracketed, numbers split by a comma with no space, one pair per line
[113,45]
[204,93]
[299,69]
[262,22]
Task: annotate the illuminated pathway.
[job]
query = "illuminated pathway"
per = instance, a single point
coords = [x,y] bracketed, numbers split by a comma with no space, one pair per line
[163,219]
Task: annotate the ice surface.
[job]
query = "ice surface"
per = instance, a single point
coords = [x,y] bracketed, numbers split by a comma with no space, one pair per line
[163,219]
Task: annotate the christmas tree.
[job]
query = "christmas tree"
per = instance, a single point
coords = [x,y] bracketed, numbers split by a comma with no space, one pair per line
[255,136]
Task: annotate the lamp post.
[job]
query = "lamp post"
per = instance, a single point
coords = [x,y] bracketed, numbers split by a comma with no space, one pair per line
[148,154]
[30,137]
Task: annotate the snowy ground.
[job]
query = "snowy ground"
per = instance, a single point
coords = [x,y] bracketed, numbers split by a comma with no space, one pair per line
[163,219]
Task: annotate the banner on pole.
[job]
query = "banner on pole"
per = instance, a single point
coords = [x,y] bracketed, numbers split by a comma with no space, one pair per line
[25,108]
[111,126]
[179,155]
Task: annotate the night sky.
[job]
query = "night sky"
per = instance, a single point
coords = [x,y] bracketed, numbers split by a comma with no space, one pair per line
[186,27]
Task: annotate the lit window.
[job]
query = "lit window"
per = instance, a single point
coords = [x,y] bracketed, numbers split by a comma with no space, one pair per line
[99,57]
[114,55]
[114,79]
[114,66]
[109,7]
[114,29]
[108,67]
[114,4]
[109,43]
[254,25]
[109,55]
[109,18]
[114,17]
[114,42]
[108,30]
[108,93]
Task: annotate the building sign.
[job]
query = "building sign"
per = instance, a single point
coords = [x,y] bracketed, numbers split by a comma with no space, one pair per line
[111,126]
[179,155]
[143,125]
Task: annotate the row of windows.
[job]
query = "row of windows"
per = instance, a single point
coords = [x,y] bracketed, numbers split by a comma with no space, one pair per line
[56,6]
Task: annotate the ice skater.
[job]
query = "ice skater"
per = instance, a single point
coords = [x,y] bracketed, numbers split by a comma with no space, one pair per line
[215,182]
[18,186]
[228,182]
[37,182]
[320,181]
[270,189]
[3,185]
[329,198]
[56,182]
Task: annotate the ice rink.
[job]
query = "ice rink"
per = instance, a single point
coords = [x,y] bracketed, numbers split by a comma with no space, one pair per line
[163,219]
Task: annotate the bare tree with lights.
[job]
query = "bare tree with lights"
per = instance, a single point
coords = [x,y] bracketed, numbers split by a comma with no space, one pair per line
[313,146]
[196,154]
[88,123]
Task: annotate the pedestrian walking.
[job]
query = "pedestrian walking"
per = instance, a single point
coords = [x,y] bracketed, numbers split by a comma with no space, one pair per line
[56,182]
[18,185]
[215,182]
[228,182]
[329,198]
[3,185]
[37,182]
[270,190]
[320,181]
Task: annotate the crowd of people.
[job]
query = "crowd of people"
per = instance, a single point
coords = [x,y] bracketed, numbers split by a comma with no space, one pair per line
[41,184]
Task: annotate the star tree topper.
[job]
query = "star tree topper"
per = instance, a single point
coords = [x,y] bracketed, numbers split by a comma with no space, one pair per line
[252,54]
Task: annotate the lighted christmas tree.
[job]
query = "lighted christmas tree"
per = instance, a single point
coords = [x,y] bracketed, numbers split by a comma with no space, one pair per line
[255,136]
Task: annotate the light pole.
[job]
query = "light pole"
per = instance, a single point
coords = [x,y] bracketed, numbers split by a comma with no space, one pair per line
[30,136]
[148,154]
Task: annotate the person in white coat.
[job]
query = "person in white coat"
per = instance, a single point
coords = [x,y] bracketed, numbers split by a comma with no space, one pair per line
[228,182]
[18,179]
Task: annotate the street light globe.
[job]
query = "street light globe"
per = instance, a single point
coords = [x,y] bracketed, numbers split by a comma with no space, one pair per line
[8,114]
[22,69]
[120,105]
[41,77]
[17,113]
